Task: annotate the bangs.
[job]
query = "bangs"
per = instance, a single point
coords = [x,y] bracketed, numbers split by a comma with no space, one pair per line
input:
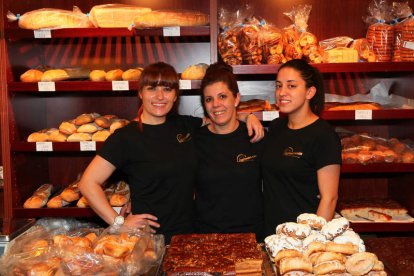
[159,76]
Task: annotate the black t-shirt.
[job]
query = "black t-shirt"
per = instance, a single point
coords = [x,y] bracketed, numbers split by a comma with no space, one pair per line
[290,162]
[160,164]
[228,187]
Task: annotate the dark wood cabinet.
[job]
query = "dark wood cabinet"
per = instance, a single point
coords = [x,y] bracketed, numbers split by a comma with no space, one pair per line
[25,109]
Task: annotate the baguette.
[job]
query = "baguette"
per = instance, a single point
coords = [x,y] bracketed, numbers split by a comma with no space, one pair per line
[115,15]
[71,193]
[39,197]
[170,18]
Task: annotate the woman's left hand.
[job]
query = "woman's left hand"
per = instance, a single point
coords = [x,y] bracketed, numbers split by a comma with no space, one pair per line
[254,126]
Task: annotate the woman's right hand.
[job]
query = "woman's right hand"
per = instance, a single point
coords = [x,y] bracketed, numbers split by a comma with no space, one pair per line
[141,221]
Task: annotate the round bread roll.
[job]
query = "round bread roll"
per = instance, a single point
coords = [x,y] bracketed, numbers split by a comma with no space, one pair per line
[114,75]
[38,137]
[194,72]
[101,135]
[295,263]
[67,127]
[57,136]
[360,263]
[84,119]
[313,220]
[103,121]
[89,128]
[132,74]
[97,75]
[78,137]
[31,75]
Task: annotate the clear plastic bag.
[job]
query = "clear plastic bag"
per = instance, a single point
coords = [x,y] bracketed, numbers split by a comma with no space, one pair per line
[401,12]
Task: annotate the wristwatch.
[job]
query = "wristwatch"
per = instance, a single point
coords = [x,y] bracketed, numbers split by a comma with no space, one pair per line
[119,220]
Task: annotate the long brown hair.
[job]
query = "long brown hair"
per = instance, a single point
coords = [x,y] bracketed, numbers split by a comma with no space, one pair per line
[158,74]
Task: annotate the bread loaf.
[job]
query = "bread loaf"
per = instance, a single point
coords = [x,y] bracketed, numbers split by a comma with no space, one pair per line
[194,72]
[57,202]
[55,75]
[104,121]
[132,74]
[31,75]
[39,136]
[49,18]
[39,197]
[71,193]
[115,15]
[168,18]
[57,136]
[114,75]
[67,127]
[121,194]
[97,75]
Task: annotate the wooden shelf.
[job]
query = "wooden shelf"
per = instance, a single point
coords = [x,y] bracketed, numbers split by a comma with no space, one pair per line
[57,147]
[88,86]
[378,168]
[350,115]
[383,227]
[53,212]
[17,33]
[331,67]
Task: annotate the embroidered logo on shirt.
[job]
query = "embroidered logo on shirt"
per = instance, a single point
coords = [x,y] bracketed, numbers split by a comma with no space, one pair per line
[289,152]
[241,158]
[181,138]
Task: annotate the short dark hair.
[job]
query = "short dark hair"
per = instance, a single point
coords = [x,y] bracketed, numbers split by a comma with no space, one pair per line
[312,77]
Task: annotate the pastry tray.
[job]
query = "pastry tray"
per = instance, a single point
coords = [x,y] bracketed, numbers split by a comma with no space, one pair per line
[406,218]
[268,268]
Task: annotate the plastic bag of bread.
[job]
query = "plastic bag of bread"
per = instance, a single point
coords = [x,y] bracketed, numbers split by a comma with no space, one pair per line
[115,15]
[271,39]
[380,34]
[365,52]
[46,264]
[49,18]
[171,18]
[121,194]
[401,12]
[34,242]
[250,44]
[407,40]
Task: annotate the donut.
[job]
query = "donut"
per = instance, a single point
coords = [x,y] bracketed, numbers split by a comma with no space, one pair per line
[295,230]
[335,228]
[277,242]
[286,253]
[346,248]
[329,256]
[295,263]
[360,263]
[313,220]
[314,236]
[329,267]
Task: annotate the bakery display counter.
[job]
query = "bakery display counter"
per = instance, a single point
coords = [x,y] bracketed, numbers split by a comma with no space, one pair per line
[331,67]
[17,33]
[378,168]
[87,86]
[20,212]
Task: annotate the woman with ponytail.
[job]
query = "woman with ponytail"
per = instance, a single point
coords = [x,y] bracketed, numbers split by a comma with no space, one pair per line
[157,154]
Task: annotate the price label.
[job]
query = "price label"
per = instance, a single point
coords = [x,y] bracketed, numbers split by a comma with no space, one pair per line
[185,84]
[363,114]
[120,85]
[43,86]
[171,31]
[42,34]
[270,115]
[44,146]
[87,145]
[408,45]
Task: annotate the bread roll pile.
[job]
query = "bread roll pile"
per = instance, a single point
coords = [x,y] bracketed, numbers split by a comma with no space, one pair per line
[364,149]
[85,127]
[312,245]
